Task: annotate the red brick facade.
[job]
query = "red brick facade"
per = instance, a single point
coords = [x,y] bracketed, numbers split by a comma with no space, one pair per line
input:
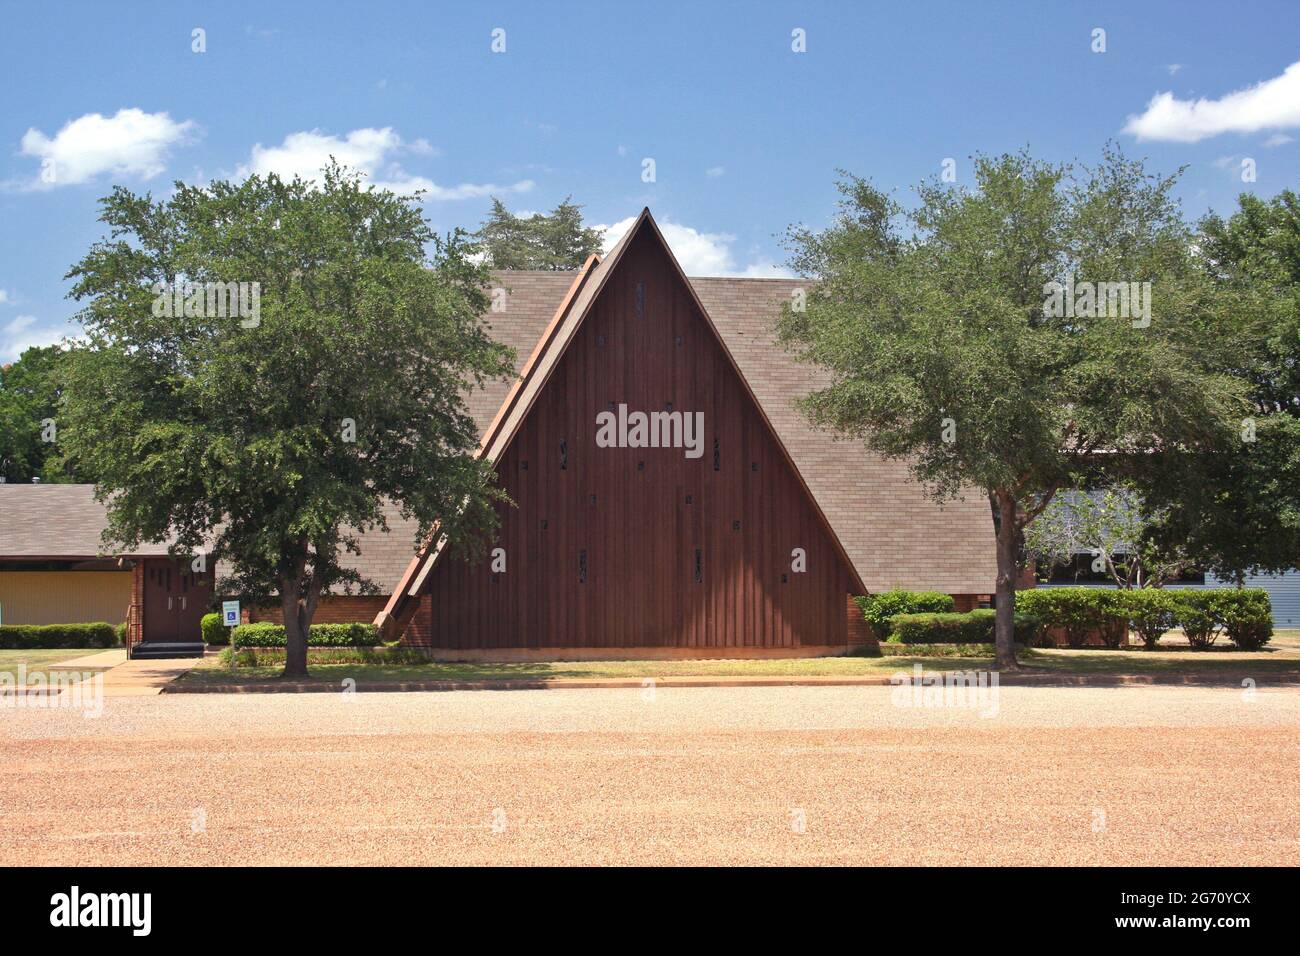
[334,609]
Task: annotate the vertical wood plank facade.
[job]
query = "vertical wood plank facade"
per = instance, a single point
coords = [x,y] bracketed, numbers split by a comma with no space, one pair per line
[621,548]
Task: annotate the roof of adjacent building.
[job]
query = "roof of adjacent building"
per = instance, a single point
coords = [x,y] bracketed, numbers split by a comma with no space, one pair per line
[892,532]
[55,522]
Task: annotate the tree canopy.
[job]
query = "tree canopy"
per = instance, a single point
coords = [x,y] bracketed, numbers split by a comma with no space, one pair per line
[1236,510]
[1041,329]
[555,241]
[29,396]
[269,363]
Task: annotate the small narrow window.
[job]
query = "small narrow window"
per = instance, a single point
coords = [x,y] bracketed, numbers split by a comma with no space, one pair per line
[699,566]
[544,524]
[600,341]
[668,406]
[582,567]
[564,455]
[640,300]
[785,579]
[735,525]
[717,455]
[523,465]
[593,499]
[753,466]
[690,499]
[640,466]
[678,341]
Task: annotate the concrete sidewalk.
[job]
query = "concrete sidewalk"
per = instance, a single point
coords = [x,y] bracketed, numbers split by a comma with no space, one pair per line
[121,677]
[145,678]
[103,661]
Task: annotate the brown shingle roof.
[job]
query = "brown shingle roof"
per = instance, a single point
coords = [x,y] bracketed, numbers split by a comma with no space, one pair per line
[893,533]
[55,522]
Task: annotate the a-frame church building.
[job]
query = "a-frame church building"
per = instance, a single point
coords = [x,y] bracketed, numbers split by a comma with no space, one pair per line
[668,499]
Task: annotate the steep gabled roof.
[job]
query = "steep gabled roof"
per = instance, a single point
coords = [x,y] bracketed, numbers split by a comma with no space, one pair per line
[887,529]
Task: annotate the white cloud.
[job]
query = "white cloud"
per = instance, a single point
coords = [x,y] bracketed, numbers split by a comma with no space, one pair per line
[1271,104]
[1279,139]
[129,142]
[713,172]
[23,333]
[700,253]
[371,151]
[1173,68]
[4,296]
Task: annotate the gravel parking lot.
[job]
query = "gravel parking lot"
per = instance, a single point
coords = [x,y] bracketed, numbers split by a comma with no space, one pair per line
[1124,775]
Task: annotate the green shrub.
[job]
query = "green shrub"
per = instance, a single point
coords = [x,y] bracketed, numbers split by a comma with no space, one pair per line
[119,633]
[878,609]
[1079,612]
[269,634]
[973,627]
[1151,611]
[215,634]
[27,636]
[274,656]
[936,650]
[1197,617]
[1244,614]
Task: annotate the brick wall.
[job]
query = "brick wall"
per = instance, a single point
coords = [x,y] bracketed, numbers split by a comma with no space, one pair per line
[419,631]
[860,632]
[135,623]
[335,609]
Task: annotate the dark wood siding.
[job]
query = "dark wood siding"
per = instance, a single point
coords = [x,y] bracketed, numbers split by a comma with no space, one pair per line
[636,518]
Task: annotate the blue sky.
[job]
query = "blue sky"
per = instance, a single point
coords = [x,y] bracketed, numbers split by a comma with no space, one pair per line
[745,133]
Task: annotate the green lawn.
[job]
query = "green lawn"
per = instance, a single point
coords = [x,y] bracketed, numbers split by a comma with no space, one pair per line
[37,659]
[1280,657]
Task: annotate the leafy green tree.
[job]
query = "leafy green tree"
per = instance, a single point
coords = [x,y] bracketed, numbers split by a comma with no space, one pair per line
[29,422]
[1233,510]
[1256,253]
[965,335]
[271,434]
[1236,510]
[553,242]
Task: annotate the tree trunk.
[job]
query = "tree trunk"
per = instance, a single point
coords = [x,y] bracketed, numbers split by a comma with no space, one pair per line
[295,632]
[1008,547]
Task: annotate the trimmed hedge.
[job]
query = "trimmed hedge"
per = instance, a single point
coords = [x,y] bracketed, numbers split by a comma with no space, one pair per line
[973,627]
[269,634]
[28,636]
[1080,612]
[274,656]
[880,609]
[1151,612]
[1243,614]
[1246,615]
[215,634]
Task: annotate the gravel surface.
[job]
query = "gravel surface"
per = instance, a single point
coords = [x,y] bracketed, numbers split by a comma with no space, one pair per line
[1129,775]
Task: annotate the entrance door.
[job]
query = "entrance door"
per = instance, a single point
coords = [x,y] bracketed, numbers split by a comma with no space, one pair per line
[175,600]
